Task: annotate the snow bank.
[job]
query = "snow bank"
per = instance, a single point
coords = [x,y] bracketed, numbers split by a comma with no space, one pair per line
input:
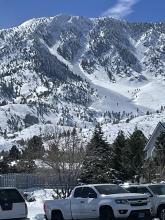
[35,209]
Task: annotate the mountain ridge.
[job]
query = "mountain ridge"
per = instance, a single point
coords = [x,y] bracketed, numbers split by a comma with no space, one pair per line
[74,71]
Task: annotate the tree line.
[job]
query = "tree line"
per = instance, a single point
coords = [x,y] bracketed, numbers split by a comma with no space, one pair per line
[117,162]
[72,160]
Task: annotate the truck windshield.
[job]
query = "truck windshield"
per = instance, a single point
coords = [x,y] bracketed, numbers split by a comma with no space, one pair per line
[110,189]
[158,189]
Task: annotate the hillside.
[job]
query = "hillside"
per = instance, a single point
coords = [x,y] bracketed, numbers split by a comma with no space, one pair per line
[72,71]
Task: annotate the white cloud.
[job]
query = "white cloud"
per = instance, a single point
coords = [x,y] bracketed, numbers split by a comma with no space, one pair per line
[121,9]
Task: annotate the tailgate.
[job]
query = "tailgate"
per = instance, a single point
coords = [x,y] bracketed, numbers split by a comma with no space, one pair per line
[12,204]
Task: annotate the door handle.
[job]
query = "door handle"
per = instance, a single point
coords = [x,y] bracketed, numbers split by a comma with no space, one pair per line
[82,201]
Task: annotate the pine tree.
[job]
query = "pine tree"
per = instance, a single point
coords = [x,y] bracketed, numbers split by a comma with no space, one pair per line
[97,167]
[14,153]
[136,145]
[4,167]
[119,155]
[34,149]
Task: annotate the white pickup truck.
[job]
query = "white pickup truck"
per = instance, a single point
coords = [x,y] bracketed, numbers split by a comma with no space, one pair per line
[156,192]
[12,204]
[101,201]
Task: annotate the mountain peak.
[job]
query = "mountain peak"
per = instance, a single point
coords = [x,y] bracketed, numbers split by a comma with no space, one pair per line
[74,71]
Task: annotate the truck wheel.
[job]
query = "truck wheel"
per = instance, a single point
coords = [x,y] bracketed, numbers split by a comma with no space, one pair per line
[57,215]
[106,214]
[161,213]
[46,217]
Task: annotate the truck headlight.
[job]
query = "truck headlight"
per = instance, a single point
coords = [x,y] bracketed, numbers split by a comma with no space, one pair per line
[122,201]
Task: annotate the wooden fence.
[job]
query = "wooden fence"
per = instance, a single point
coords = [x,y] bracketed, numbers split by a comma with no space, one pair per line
[25,181]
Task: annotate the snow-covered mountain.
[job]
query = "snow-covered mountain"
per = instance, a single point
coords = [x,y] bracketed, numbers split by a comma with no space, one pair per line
[74,71]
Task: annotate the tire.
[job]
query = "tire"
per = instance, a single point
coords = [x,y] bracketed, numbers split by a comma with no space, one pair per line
[57,215]
[161,213]
[106,214]
[45,217]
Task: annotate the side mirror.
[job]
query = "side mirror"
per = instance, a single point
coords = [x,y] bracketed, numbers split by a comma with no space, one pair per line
[92,195]
[149,194]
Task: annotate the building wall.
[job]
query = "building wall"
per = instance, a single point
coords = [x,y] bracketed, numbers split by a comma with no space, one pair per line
[151,143]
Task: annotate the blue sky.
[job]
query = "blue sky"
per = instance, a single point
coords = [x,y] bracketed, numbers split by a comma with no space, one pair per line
[14,12]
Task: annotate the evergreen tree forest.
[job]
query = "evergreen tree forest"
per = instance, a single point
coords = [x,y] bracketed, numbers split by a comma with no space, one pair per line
[117,162]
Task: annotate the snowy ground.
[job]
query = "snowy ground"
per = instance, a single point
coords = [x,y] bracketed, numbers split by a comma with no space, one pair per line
[36,211]
[133,97]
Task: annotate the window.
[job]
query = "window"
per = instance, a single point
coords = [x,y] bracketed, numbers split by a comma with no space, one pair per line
[158,189]
[132,189]
[86,191]
[10,195]
[78,192]
[110,189]
[143,190]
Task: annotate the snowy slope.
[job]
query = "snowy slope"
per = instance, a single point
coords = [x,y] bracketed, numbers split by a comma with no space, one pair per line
[71,71]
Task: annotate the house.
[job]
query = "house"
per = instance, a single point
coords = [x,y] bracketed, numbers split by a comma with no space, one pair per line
[149,148]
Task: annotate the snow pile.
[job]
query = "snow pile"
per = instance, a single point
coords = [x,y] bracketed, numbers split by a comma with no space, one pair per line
[35,209]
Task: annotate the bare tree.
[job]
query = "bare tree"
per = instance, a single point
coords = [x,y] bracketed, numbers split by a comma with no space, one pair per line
[65,155]
[149,171]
